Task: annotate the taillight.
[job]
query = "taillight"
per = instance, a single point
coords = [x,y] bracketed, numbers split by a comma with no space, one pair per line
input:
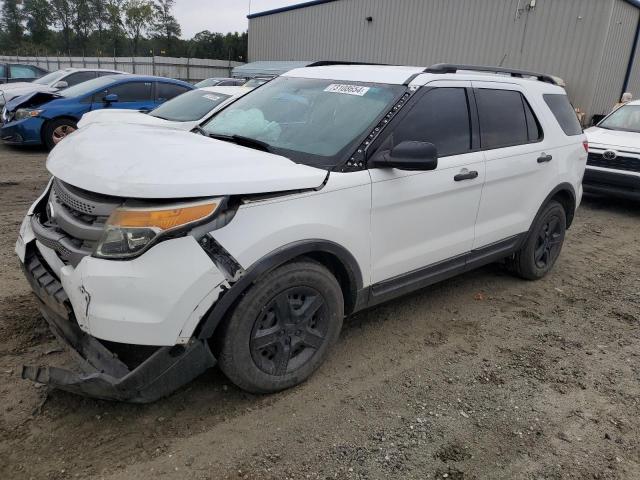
[585,144]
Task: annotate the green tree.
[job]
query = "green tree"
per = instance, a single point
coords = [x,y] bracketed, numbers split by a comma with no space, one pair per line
[63,16]
[100,19]
[82,21]
[165,25]
[114,13]
[38,17]
[138,15]
[11,18]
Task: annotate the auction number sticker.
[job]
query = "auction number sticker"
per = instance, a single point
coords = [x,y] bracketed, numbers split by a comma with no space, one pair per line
[347,89]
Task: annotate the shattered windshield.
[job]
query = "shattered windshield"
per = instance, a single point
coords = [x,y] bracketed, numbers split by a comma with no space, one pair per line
[311,121]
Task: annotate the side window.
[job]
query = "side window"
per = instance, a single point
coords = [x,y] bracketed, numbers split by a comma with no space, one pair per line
[440,117]
[78,77]
[166,91]
[503,121]
[132,92]
[534,129]
[21,71]
[3,71]
[564,113]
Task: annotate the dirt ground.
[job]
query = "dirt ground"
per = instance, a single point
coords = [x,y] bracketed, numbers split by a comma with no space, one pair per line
[481,377]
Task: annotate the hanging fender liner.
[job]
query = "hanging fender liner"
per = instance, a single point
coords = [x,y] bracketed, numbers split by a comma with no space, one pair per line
[273,260]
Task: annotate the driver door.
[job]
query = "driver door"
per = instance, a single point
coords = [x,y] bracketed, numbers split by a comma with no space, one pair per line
[423,222]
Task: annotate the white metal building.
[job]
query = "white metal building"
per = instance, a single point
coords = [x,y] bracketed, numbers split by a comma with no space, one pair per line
[591,44]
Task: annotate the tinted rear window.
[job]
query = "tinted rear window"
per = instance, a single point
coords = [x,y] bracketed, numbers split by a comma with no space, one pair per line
[564,113]
[502,118]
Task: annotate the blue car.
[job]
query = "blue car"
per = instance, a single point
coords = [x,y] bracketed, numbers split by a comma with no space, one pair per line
[46,118]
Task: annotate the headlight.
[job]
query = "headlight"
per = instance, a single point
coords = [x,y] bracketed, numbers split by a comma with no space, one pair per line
[130,231]
[23,113]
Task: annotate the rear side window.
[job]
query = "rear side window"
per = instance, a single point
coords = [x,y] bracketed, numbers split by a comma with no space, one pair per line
[440,117]
[3,71]
[506,119]
[79,77]
[166,91]
[564,113]
[21,71]
[132,92]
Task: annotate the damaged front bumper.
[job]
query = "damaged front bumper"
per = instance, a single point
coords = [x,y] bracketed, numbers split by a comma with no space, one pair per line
[106,374]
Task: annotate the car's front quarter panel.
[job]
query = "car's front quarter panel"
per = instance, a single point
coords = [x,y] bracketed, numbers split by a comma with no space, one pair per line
[339,212]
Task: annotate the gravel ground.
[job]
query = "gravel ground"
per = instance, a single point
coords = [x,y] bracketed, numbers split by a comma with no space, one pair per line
[484,376]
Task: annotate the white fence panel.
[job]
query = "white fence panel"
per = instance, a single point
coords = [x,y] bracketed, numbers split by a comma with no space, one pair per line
[189,69]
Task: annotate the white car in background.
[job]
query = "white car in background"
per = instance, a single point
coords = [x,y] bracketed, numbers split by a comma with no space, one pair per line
[183,112]
[613,165]
[52,82]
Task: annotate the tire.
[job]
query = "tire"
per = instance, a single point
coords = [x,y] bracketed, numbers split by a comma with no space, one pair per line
[56,130]
[268,344]
[543,244]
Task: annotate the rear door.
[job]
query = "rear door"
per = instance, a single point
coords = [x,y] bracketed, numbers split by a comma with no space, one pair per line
[422,218]
[520,169]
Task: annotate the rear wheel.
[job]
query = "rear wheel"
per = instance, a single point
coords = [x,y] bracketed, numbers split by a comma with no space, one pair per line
[282,329]
[543,244]
[57,130]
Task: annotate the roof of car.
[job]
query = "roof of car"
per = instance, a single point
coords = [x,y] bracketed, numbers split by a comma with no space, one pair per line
[149,78]
[76,69]
[632,102]
[399,75]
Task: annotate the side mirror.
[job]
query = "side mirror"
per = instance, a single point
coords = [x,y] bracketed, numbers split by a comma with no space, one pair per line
[112,97]
[408,155]
[60,85]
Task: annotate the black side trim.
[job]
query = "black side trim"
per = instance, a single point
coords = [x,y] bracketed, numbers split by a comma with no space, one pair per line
[423,277]
[269,262]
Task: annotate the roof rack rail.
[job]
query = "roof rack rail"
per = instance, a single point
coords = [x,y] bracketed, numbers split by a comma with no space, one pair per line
[453,68]
[324,63]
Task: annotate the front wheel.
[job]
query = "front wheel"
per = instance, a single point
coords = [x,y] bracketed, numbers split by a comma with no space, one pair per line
[56,130]
[543,244]
[282,329]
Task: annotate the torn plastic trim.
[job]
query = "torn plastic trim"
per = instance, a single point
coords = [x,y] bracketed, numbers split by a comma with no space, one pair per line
[222,259]
[105,375]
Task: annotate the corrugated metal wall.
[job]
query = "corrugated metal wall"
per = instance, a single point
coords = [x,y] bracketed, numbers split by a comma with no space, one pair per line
[567,38]
[615,57]
[634,78]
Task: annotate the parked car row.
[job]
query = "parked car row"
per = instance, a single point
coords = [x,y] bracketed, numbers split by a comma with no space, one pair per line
[246,240]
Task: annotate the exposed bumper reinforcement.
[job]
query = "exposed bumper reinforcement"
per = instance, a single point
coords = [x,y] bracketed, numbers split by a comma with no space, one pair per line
[105,376]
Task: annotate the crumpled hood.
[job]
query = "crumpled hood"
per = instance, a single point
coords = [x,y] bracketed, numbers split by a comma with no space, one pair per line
[13,90]
[33,99]
[139,161]
[124,116]
[613,138]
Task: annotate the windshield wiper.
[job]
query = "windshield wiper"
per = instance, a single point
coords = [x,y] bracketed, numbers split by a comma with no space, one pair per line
[244,141]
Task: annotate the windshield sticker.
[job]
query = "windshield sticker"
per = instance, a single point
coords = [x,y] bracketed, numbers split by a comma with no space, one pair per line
[213,98]
[347,89]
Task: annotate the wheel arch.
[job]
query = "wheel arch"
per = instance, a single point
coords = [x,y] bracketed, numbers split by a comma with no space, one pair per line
[336,258]
[564,194]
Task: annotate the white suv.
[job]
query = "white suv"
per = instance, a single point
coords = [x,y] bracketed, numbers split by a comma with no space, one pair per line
[328,190]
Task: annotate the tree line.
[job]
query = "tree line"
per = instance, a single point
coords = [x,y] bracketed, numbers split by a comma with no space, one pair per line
[107,28]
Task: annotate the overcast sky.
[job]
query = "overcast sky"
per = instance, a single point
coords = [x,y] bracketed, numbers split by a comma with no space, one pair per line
[220,15]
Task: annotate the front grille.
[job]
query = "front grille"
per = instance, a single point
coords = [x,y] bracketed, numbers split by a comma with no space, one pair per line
[630,164]
[72,221]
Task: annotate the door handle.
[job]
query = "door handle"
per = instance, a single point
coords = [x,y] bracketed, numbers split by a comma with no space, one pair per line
[544,158]
[466,176]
